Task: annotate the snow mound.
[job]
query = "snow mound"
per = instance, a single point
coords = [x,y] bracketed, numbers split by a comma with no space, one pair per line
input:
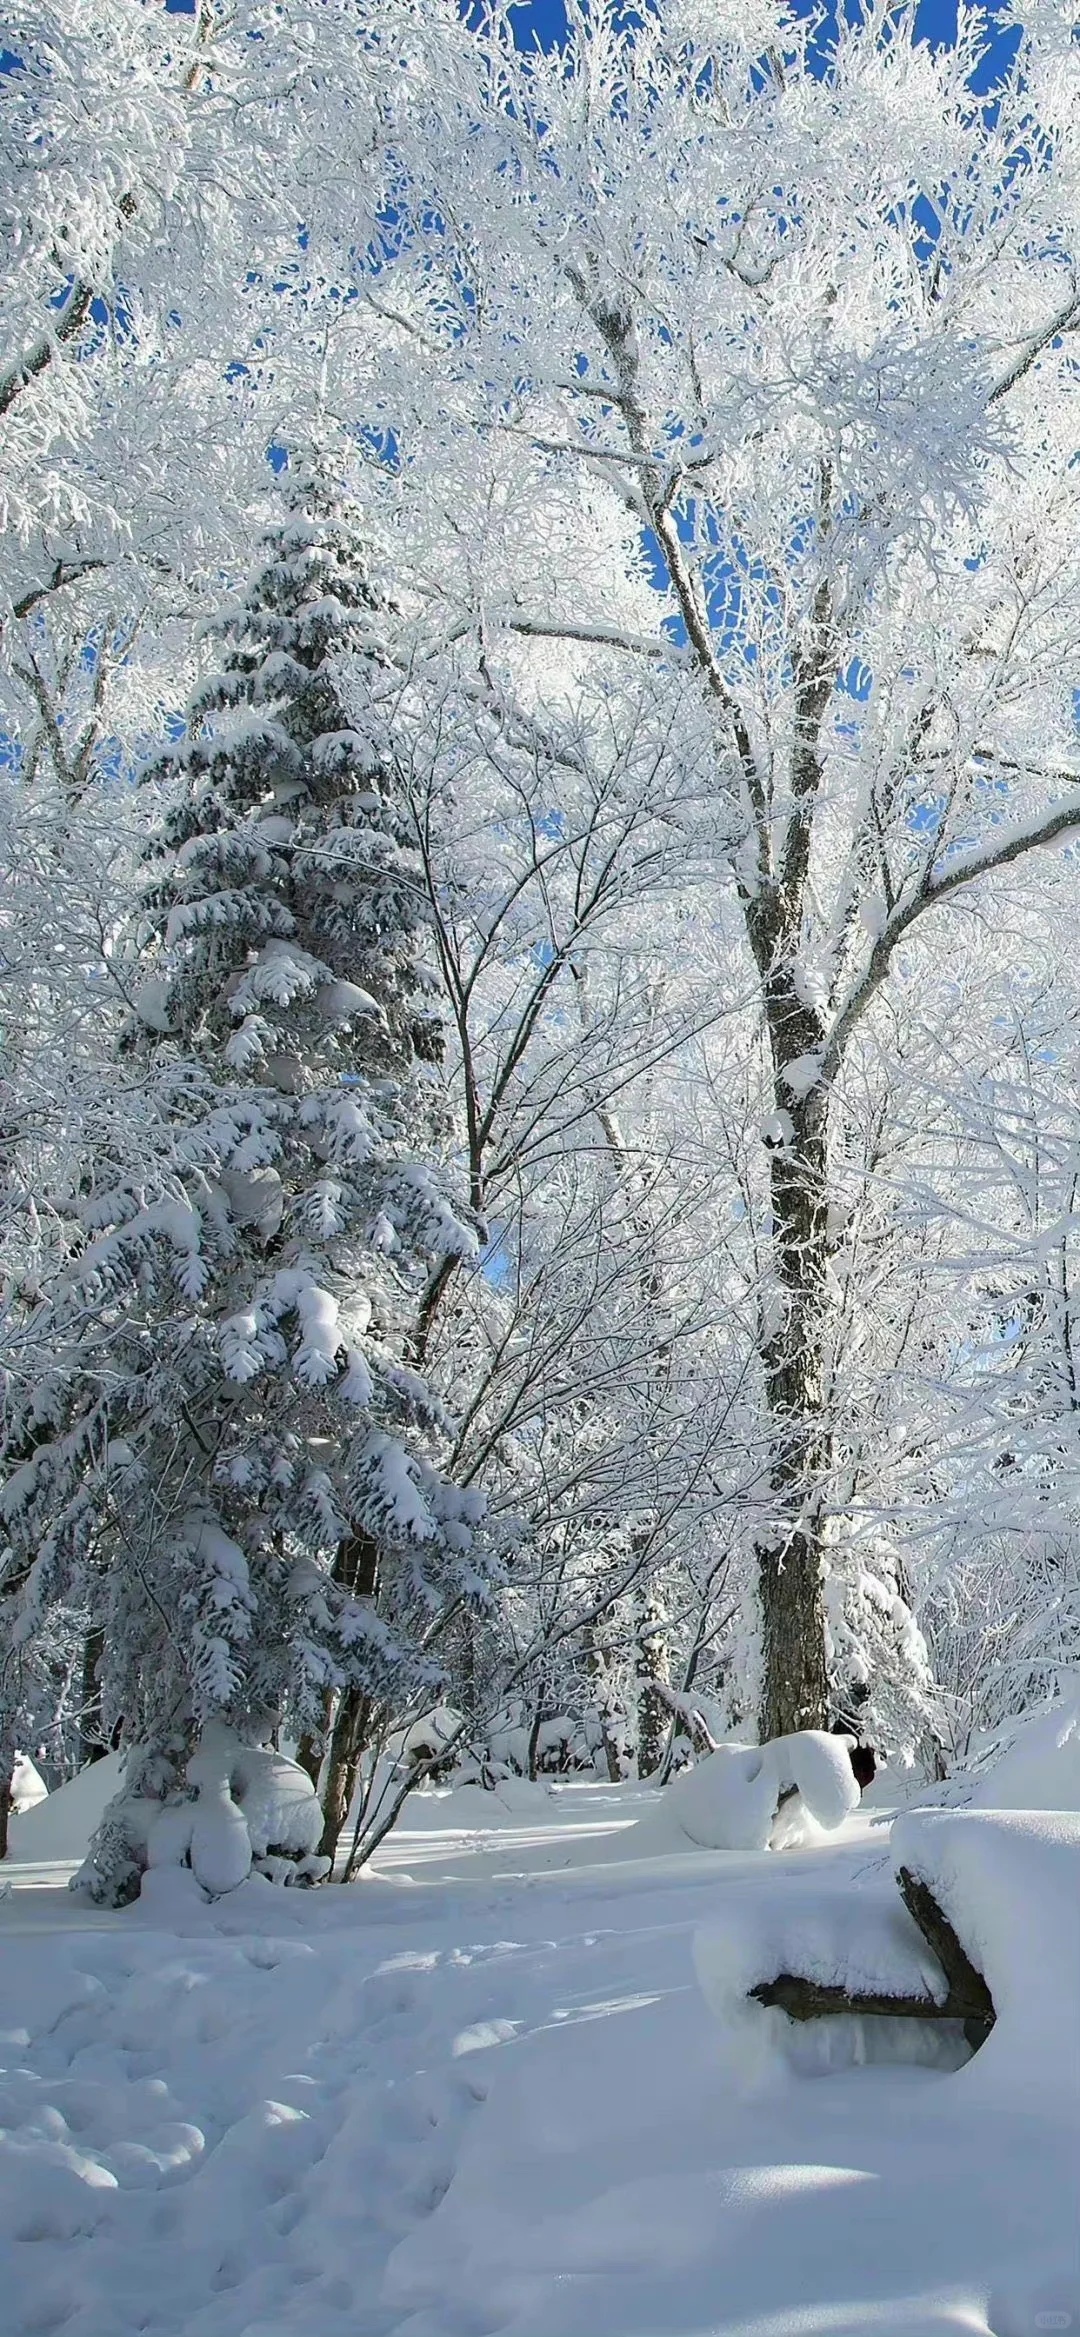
[1009,1882]
[28,1786]
[59,1828]
[1040,1769]
[731,1799]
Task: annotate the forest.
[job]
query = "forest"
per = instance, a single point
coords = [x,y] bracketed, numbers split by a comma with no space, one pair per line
[539,1168]
[540,650]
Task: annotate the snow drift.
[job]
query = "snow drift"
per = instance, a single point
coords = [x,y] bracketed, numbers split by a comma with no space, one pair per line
[1009,1882]
[1040,1767]
[57,1830]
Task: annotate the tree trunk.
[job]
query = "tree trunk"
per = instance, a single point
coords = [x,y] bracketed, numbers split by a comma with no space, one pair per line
[356,1566]
[598,1667]
[350,1733]
[312,1745]
[795,1688]
[9,1746]
[653,1670]
[93,1742]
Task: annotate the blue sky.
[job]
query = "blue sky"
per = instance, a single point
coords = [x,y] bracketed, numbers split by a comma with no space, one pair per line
[544,21]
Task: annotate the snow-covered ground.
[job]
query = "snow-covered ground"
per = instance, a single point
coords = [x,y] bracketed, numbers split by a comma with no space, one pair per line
[481,2094]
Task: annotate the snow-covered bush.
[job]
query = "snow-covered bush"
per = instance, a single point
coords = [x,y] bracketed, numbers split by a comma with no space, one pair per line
[561,1744]
[28,1787]
[231,1809]
[735,1797]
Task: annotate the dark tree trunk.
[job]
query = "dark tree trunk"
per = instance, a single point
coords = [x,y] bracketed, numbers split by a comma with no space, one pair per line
[793,1351]
[9,1746]
[350,1734]
[312,1745]
[598,1666]
[795,1687]
[653,1669]
[356,1566]
[93,1740]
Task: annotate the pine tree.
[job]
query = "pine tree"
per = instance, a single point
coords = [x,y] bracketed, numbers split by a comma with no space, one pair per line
[229,1464]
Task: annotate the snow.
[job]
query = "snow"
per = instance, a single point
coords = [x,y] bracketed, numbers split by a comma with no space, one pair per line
[277,1799]
[220,1845]
[803,1075]
[340,1001]
[252,1805]
[428,1735]
[865,1942]
[28,1786]
[1040,1768]
[53,1837]
[482,2092]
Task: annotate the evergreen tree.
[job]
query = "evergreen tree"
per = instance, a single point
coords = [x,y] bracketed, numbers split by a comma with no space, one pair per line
[228,1462]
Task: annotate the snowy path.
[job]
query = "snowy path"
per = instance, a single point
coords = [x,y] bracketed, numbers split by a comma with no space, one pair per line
[491,2107]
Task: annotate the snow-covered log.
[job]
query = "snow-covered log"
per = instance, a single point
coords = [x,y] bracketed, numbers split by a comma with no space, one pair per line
[967,1998]
[992,1895]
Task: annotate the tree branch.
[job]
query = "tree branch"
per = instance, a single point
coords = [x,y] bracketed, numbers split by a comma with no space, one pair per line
[65,572]
[603,636]
[966,869]
[1065,320]
[71,319]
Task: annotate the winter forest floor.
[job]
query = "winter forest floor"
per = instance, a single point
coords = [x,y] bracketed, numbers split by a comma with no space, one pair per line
[480,2094]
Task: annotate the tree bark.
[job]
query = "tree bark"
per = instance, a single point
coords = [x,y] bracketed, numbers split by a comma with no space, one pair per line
[350,1733]
[93,1742]
[968,1992]
[795,1687]
[312,1745]
[356,1566]
[598,1667]
[795,1690]
[653,1669]
[811,2000]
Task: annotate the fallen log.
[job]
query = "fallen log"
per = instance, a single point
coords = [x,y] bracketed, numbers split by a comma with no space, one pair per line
[811,2000]
[967,1998]
[968,1993]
